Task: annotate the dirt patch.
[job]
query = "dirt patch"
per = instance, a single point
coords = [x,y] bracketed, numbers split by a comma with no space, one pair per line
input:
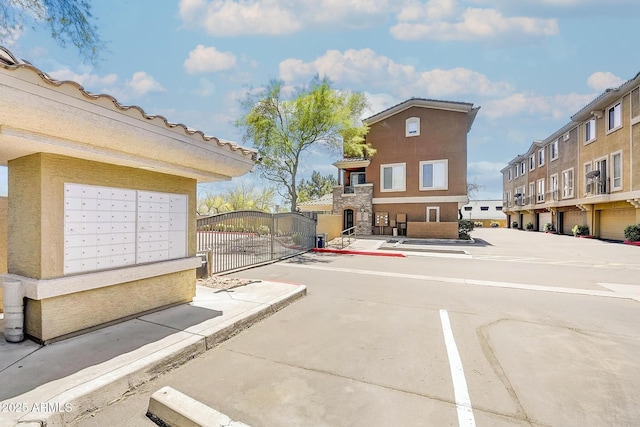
[218,282]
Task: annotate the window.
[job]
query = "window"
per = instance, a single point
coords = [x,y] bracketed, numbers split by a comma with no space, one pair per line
[498,208]
[567,183]
[433,175]
[616,179]
[507,198]
[467,208]
[553,186]
[635,103]
[433,214]
[532,162]
[484,208]
[516,171]
[541,157]
[523,168]
[412,126]
[553,147]
[392,177]
[588,181]
[532,192]
[540,193]
[357,178]
[590,131]
[614,117]
[602,181]
[509,174]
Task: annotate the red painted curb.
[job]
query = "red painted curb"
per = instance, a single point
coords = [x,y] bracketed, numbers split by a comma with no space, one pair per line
[350,252]
[627,242]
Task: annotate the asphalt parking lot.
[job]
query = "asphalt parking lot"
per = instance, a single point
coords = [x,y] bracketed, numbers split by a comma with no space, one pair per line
[519,329]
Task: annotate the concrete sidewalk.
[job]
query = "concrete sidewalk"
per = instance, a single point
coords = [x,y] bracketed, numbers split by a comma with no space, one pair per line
[52,385]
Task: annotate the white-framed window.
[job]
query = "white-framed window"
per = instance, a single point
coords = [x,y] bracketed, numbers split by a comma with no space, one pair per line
[553,186]
[507,198]
[357,178]
[590,130]
[616,171]
[540,192]
[614,117]
[516,171]
[523,168]
[532,162]
[412,126]
[434,175]
[541,157]
[433,213]
[532,192]
[602,183]
[589,183]
[567,183]
[392,177]
[509,175]
[553,150]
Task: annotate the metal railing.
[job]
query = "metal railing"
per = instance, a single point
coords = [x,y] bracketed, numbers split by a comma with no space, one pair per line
[348,233]
[244,238]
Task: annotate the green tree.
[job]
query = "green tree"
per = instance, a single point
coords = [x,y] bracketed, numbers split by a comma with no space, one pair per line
[241,197]
[68,21]
[282,130]
[317,187]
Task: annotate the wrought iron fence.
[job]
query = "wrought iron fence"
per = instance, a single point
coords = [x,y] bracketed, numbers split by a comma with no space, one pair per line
[244,238]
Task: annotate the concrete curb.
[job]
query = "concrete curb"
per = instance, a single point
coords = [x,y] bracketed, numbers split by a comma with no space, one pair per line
[176,409]
[113,385]
[356,252]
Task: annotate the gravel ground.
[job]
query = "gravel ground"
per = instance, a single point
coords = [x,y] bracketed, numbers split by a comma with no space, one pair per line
[219,282]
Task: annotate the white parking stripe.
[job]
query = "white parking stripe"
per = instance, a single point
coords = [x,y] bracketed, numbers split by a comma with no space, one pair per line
[460,391]
[461,281]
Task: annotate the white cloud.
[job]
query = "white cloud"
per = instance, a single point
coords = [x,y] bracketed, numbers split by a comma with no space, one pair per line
[436,20]
[276,17]
[364,69]
[142,83]
[89,81]
[9,36]
[231,18]
[602,81]
[208,60]
[559,107]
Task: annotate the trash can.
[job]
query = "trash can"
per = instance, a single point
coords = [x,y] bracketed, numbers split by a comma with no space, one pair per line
[395,231]
[320,241]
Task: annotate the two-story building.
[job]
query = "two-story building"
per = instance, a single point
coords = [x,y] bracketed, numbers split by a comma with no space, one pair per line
[416,182]
[583,173]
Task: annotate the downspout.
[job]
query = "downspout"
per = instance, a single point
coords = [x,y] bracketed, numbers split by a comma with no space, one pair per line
[13,306]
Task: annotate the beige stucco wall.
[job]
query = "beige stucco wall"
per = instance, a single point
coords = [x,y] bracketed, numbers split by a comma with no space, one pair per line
[331,225]
[55,317]
[3,240]
[36,243]
[36,206]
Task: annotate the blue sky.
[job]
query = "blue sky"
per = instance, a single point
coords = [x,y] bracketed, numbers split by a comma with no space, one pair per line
[529,64]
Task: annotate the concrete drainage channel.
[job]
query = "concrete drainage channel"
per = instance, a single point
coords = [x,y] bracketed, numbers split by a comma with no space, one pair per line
[170,408]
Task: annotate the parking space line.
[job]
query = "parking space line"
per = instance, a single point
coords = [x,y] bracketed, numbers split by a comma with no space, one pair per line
[460,391]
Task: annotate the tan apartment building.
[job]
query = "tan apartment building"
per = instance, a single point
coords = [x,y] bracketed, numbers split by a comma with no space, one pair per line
[587,172]
[416,182]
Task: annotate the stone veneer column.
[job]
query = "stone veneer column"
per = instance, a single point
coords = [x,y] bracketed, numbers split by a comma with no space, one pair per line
[362,204]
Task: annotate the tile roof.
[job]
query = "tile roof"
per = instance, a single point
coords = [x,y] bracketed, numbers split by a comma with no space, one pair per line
[9,62]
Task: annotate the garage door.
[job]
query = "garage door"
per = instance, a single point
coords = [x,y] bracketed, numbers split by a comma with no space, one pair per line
[543,218]
[571,218]
[613,222]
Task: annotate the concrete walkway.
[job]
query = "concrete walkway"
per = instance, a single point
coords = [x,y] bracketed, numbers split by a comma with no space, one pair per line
[52,385]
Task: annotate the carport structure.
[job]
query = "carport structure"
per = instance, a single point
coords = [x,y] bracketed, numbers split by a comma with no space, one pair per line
[101,204]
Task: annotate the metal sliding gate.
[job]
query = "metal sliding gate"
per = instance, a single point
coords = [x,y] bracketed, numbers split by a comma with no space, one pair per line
[244,238]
